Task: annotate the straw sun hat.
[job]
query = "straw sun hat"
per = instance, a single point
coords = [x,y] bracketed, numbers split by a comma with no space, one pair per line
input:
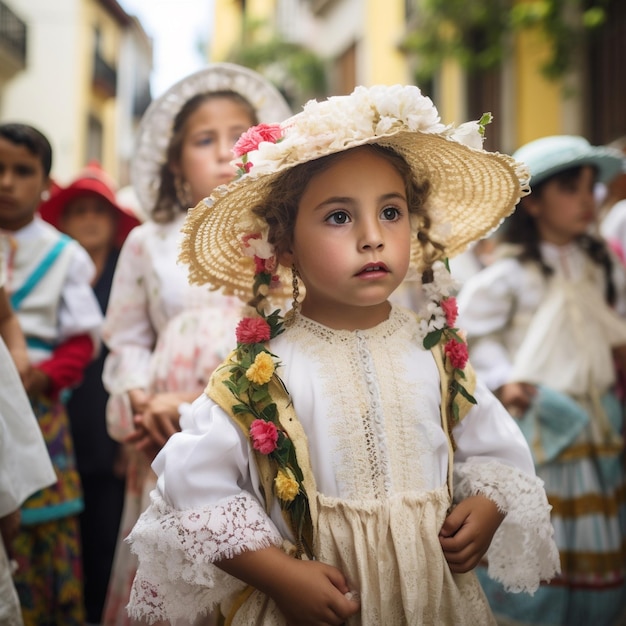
[472,190]
[155,130]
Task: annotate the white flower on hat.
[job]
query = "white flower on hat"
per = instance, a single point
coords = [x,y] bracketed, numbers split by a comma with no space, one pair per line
[257,245]
[340,122]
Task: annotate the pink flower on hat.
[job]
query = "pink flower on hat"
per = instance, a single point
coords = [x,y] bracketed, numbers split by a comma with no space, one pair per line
[251,139]
[457,353]
[264,436]
[252,330]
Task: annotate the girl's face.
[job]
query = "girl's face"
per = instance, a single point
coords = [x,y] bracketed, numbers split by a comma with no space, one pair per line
[210,133]
[351,242]
[564,210]
[22,181]
[91,221]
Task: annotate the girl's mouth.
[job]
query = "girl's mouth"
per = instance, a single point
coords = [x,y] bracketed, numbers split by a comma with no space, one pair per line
[373,269]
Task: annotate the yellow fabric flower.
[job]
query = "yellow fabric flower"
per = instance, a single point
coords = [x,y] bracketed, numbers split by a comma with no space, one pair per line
[286,485]
[262,370]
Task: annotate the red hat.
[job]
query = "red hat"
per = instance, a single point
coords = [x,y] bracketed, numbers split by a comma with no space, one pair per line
[91,180]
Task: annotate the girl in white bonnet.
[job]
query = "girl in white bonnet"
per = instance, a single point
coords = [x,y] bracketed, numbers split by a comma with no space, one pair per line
[343,464]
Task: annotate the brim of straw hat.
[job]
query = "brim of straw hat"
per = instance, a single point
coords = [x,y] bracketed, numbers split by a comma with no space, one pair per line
[155,130]
[472,191]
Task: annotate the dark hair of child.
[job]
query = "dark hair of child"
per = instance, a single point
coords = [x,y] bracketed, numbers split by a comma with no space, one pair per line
[167,205]
[520,228]
[33,140]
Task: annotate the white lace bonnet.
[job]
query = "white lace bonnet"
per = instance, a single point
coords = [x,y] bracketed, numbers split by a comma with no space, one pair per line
[155,130]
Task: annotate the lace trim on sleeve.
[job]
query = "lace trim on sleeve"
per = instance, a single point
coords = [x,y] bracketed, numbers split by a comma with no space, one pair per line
[523,551]
[176,577]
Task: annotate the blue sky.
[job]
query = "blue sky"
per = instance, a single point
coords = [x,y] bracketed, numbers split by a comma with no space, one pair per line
[175,26]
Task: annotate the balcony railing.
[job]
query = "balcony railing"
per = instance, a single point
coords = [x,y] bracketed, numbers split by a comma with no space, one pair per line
[104,76]
[12,36]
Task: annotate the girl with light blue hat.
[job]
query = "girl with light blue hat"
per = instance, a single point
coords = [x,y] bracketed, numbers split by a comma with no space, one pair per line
[545,331]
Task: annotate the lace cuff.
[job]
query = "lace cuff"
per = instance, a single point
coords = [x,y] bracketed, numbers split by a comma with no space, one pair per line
[176,577]
[522,552]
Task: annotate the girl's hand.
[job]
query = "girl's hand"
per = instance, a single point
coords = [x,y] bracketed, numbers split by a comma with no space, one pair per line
[619,355]
[516,397]
[22,364]
[467,532]
[161,418]
[138,400]
[313,593]
[308,593]
[158,421]
[35,382]
[10,526]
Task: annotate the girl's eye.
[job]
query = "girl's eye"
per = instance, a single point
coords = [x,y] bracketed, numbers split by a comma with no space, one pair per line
[205,141]
[24,170]
[390,213]
[338,217]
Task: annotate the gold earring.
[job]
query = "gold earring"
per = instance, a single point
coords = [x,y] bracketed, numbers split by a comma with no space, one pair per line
[183,192]
[290,318]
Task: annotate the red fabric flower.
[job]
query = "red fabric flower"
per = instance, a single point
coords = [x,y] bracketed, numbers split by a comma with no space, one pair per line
[264,266]
[251,139]
[451,311]
[264,436]
[457,353]
[252,330]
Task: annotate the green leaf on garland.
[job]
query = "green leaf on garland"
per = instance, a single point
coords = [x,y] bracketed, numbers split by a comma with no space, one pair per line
[468,396]
[432,339]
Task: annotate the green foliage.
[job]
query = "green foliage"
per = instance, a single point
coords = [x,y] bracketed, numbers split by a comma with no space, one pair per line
[295,70]
[477,33]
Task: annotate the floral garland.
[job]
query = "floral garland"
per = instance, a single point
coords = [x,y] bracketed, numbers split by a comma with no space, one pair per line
[252,369]
[438,318]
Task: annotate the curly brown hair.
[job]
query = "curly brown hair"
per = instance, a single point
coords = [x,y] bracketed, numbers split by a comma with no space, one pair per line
[280,208]
[167,205]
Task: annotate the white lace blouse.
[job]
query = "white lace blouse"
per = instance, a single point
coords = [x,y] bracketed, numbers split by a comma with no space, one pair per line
[369,402]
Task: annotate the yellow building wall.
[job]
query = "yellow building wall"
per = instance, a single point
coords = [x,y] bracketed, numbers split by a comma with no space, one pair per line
[384,27]
[227,25]
[92,103]
[538,100]
[450,96]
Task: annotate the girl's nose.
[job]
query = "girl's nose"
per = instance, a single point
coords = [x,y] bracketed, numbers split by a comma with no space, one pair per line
[371,236]
[225,148]
[6,178]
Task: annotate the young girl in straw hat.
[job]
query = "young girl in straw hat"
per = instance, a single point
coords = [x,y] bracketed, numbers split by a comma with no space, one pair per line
[545,330]
[164,335]
[344,465]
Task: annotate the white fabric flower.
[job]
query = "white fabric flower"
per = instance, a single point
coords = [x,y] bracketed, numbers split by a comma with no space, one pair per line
[259,247]
[467,134]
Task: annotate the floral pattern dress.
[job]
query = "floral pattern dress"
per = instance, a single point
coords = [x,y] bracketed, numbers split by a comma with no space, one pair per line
[164,336]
